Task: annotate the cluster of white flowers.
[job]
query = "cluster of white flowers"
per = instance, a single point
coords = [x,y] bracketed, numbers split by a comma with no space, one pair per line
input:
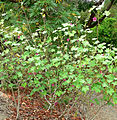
[44,32]
[68,24]
[107,13]
[82,37]
[100,6]
[65,25]
[55,38]
[34,34]
[66,28]
[3,14]
[92,8]
[54,31]
[16,30]
[89,31]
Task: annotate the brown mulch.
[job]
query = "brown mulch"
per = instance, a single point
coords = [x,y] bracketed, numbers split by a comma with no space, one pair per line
[32,108]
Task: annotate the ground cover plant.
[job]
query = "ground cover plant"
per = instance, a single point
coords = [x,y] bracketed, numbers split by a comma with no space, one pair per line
[59,66]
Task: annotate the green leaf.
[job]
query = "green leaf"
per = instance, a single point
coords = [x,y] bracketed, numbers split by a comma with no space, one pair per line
[97,101]
[44,93]
[39,76]
[92,63]
[110,78]
[82,81]
[36,81]
[11,85]
[110,91]
[53,80]
[85,43]
[66,56]
[49,40]
[115,99]
[24,84]
[89,81]
[19,74]
[105,84]
[15,77]
[85,89]
[59,93]
[96,88]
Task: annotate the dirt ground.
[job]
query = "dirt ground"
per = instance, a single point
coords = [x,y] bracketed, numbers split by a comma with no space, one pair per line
[4,102]
[106,113]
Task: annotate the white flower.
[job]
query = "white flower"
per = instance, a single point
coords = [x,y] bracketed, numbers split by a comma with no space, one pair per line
[100,6]
[89,31]
[23,42]
[65,24]
[97,42]
[44,32]
[38,29]
[81,30]
[34,34]
[103,43]
[64,29]
[3,14]
[21,3]
[92,8]
[59,28]
[107,13]
[55,38]
[79,16]
[66,33]
[54,31]
[94,38]
[42,9]
[11,10]
[114,48]
[82,38]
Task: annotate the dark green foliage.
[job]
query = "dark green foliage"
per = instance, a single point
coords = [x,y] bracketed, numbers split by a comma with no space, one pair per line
[83,5]
[55,14]
[107,32]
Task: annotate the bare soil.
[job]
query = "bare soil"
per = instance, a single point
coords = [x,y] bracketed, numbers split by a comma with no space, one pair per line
[4,110]
[108,112]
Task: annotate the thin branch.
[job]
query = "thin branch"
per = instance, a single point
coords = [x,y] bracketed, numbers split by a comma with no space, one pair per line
[93,13]
[18,105]
[89,25]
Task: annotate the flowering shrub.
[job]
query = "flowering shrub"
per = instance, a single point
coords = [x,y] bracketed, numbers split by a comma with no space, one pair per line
[65,68]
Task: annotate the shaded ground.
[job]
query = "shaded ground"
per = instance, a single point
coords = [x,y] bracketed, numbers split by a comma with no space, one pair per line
[107,113]
[32,109]
[4,110]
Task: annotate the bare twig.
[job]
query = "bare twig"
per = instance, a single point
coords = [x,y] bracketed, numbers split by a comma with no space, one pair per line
[89,25]
[18,105]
